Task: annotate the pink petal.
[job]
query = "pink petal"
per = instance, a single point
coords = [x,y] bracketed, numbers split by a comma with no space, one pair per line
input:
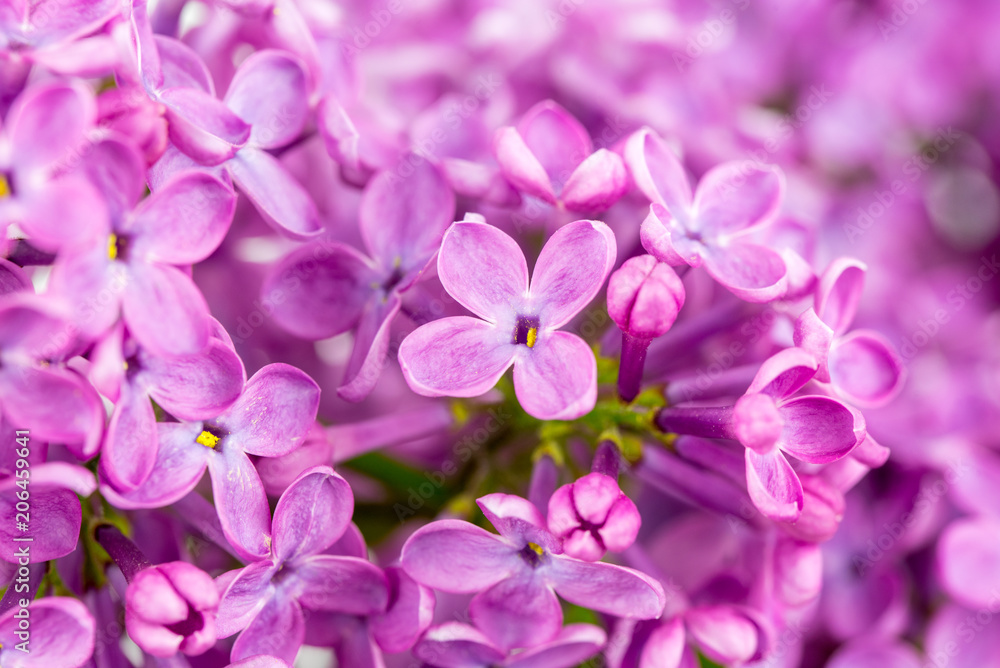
[969,561]
[458,557]
[814,336]
[456,357]
[131,442]
[865,368]
[181,66]
[774,487]
[753,273]
[241,502]
[275,412]
[657,234]
[320,289]
[311,514]
[839,292]
[371,348]
[410,612]
[557,379]
[517,612]
[736,196]
[342,584]
[723,634]
[657,172]
[277,630]
[184,221]
[516,518]
[520,166]
[270,91]
[615,590]
[599,182]
[817,429]
[63,214]
[48,122]
[573,645]
[282,201]
[571,270]
[557,140]
[202,126]
[453,644]
[403,218]
[665,647]
[165,311]
[197,387]
[243,596]
[784,373]
[484,269]
[61,636]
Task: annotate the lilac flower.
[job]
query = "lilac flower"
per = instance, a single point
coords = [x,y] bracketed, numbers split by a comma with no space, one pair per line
[726,634]
[53,402]
[171,608]
[861,365]
[518,574]
[266,600]
[968,558]
[457,645]
[131,267]
[768,420]
[710,227]
[592,516]
[53,488]
[549,155]
[330,288]
[190,388]
[644,298]
[44,129]
[555,374]
[61,635]
[270,418]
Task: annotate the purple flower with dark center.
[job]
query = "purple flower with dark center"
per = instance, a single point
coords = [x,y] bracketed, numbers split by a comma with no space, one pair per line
[555,373]
[711,226]
[51,401]
[768,420]
[132,267]
[61,635]
[189,388]
[330,288]
[270,418]
[46,126]
[266,599]
[593,516]
[550,155]
[457,645]
[860,365]
[518,574]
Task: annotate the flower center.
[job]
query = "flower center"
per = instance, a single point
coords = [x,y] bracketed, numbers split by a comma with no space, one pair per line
[526,330]
[4,187]
[209,436]
[533,554]
[117,246]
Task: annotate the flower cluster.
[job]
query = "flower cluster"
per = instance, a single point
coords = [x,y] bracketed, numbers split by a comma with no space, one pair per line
[641,335]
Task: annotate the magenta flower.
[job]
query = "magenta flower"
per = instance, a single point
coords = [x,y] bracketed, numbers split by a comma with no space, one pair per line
[330,288]
[457,645]
[555,373]
[644,298]
[170,608]
[271,418]
[517,574]
[860,365]
[710,227]
[265,600]
[549,155]
[592,516]
[61,634]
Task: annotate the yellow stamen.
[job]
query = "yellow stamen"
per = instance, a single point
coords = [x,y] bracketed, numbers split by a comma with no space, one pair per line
[532,337]
[4,187]
[207,439]
[113,246]
[536,548]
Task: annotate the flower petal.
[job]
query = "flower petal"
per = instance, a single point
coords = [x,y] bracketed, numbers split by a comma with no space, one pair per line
[484,269]
[723,634]
[270,91]
[817,429]
[371,348]
[517,519]
[196,387]
[753,273]
[774,487]
[455,357]
[278,630]
[784,373]
[607,588]
[458,557]
[202,126]
[839,292]
[130,444]
[570,270]
[275,412]
[48,122]
[519,611]
[311,514]
[241,502]
[342,584]
[62,634]
[666,646]
[557,379]
[410,612]
[165,311]
[574,644]
[599,182]
[456,645]
[279,198]
[403,218]
[657,172]
[865,368]
[556,139]
[657,235]
[736,196]
[184,221]
[320,289]
[246,593]
[969,561]
[520,166]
